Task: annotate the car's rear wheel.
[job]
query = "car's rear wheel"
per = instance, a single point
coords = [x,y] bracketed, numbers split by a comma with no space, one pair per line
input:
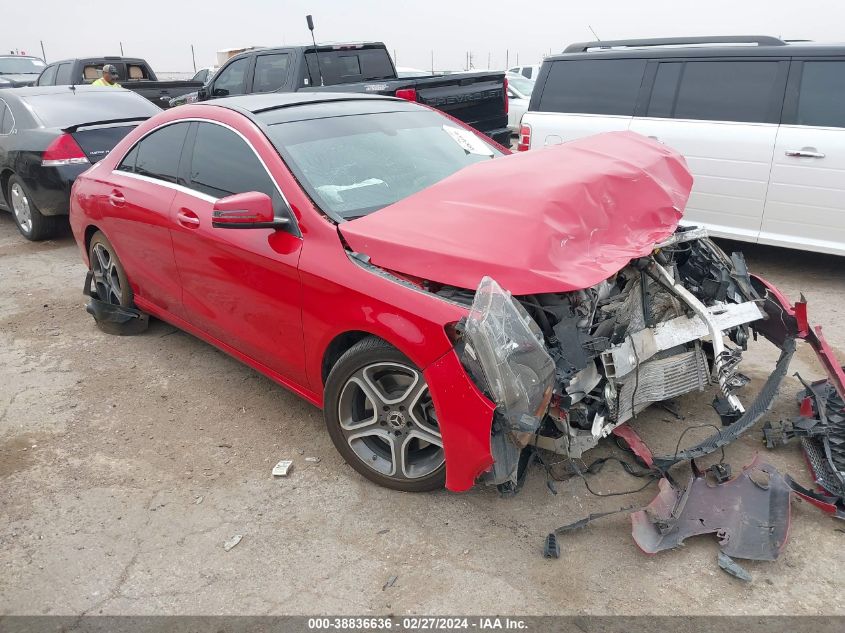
[381,418]
[31,223]
[110,286]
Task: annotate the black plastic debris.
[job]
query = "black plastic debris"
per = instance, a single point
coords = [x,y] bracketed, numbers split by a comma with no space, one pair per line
[587,520]
[551,548]
[820,426]
[730,566]
[720,472]
[111,318]
[749,514]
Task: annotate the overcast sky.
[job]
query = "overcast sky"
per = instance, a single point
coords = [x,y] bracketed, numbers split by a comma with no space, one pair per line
[163,30]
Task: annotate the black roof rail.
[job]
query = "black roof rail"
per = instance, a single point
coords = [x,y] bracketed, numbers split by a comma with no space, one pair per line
[759,40]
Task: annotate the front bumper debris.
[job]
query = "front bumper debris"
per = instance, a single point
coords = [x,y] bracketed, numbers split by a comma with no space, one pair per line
[820,426]
[749,514]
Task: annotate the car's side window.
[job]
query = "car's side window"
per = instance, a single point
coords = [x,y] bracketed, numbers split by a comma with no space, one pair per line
[231,80]
[271,72]
[222,164]
[527,71]
[7,121]
[821,97]
[593,86]
[733,90]
[63,74]
[664,92]
[157,155]
[135,72]
[48,77]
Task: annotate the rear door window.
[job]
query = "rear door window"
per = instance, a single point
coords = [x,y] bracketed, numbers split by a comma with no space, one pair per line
[48,77]
[64,74]
[157,155]
[222,164]
[664,92]
[593,86]
[7,121]
[744,91]
[136,72]
[271,72]
[231,80]
[821,97]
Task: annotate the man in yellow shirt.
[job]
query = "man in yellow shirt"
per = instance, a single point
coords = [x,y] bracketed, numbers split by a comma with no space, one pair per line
[109,77]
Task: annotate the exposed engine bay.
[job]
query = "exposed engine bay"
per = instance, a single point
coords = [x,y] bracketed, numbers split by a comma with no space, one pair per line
[567,369]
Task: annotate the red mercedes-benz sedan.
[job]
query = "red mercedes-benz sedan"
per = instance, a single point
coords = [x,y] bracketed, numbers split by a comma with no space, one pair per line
[448,304]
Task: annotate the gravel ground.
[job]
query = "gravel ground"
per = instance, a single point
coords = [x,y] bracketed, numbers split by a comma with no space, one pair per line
[126,463]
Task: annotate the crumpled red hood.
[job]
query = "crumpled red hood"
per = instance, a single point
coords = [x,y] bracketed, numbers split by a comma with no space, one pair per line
[552,220]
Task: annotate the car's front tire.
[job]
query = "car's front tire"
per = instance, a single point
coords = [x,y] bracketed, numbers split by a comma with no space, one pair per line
[380,416]
[31,223]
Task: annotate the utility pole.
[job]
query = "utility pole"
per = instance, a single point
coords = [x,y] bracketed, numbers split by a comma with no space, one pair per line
[506,59]
[121,49]
[395,62]
[432,61]
[193,58]
[43,54]
[517,58]
[488,60]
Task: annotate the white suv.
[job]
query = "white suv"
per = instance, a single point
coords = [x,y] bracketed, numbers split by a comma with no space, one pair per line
[760,121]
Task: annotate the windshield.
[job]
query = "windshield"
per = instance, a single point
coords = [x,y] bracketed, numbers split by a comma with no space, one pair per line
[20,66]
[354,165]
[521,84]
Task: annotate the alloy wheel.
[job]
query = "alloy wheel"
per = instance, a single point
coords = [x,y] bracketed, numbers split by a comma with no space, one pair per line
[106,279]
[21,208]
[387,417]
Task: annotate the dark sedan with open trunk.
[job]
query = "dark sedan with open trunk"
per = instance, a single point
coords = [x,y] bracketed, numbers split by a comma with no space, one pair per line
[50,135]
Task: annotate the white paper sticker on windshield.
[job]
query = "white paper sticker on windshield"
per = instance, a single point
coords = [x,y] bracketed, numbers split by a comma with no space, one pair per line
[468,141]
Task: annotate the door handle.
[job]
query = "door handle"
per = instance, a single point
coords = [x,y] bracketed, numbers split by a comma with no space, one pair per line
[187,218]
[116,199]
[807,152]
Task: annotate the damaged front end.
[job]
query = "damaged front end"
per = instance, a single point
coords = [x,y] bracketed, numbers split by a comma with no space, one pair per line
[567,369]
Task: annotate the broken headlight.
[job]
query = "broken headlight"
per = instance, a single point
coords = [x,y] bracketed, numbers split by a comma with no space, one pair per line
[505,345]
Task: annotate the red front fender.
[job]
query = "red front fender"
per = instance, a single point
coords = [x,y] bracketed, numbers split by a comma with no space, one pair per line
[465,416]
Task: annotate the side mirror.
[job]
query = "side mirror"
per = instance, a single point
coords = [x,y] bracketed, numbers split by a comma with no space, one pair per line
[250,210]
[202,94]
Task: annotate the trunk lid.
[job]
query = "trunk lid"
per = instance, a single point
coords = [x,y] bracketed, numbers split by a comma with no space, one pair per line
[98,140]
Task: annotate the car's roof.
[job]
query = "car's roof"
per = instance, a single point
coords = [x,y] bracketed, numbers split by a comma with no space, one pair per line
[282,107]
[711,46]
[255,103]
[24,56]
[106,58]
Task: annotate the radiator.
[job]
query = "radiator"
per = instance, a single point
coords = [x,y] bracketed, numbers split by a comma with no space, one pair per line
[659,380]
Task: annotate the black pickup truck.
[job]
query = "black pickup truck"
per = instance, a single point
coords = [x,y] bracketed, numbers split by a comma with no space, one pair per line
[133,74]
[476,98]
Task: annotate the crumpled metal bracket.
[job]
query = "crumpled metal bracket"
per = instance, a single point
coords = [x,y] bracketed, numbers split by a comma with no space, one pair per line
[750,514]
